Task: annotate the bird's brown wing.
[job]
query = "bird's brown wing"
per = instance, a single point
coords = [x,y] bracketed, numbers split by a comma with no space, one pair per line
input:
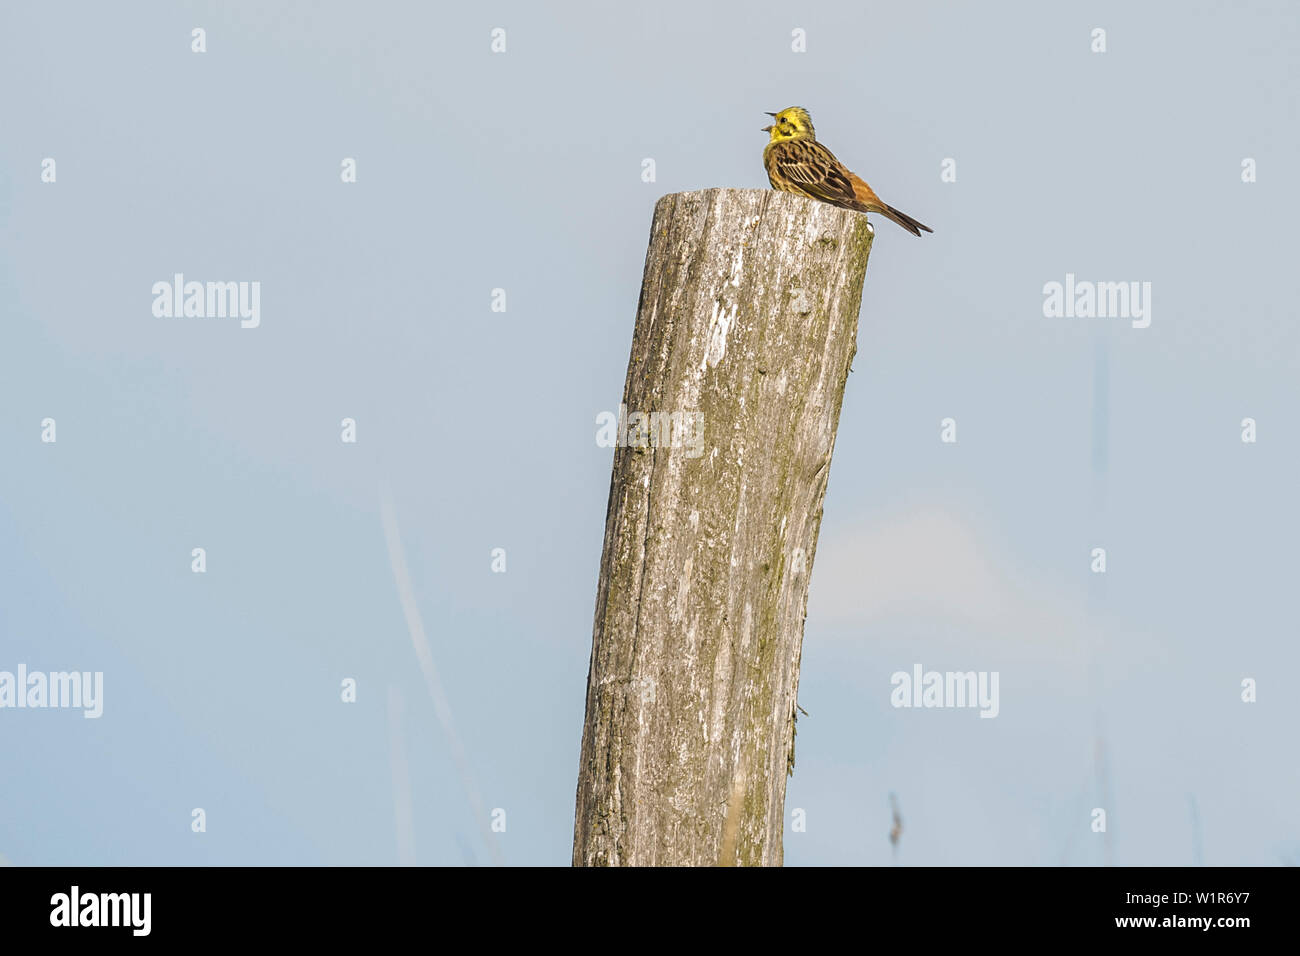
[864,193]
[812,169]
[873,203]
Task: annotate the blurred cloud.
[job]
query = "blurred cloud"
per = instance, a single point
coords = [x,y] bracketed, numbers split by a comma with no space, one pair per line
[929,561]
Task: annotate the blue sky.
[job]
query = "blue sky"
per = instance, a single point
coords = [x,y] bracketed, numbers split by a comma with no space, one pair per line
[522,171]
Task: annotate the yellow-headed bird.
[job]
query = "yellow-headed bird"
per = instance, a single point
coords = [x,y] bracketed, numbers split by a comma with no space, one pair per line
[797,163]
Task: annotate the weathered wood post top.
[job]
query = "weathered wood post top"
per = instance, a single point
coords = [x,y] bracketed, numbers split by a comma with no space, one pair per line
[745,331]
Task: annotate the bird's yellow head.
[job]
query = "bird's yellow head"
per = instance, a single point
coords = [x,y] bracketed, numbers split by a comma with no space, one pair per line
[793,122]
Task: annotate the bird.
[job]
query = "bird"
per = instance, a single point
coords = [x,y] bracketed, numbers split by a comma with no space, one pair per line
[797,163]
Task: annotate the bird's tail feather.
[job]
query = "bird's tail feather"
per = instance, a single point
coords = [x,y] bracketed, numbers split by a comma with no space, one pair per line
[914,226]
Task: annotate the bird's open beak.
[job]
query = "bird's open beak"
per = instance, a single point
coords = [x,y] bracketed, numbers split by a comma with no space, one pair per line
[773,115]
[767,129]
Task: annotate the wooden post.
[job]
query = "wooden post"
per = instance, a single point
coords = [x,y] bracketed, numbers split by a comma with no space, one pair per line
[746,328]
